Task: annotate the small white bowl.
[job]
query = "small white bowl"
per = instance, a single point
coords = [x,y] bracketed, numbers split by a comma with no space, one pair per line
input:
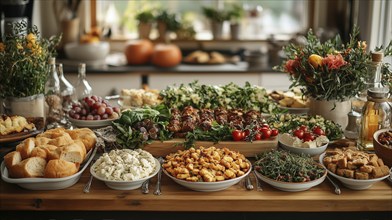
[353,183]
[87,52]
[291,187]
[125,185]
[208,186]
[308,151]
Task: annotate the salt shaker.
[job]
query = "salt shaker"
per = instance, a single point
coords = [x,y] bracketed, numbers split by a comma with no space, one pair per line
[351,131]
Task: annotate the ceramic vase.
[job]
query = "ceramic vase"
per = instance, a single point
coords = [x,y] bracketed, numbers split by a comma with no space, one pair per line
[332,110]
[31,106]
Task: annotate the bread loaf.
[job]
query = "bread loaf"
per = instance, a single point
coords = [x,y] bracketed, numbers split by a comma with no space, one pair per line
[60,168]
[39,152]
[30,167]
[62,140]
[12,158]
[26,147]
[73,153]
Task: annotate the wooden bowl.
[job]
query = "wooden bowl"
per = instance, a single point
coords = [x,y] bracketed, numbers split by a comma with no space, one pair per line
[382,151]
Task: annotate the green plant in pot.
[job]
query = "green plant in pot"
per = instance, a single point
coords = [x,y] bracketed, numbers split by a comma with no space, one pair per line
[24,68]
[146,19]
[166,22]
[217,17]
[235,15]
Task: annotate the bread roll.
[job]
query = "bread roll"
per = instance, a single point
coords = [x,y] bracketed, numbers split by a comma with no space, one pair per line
[39,141]
[39,152]
[86,135]
[30,167]
[52,133]
[63,139]
[12,158]
[73,153]
[52,152]
[26,147]
[60,168]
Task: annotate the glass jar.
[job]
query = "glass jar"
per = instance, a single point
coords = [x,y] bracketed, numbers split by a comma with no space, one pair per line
[376,115]
[53,102]
[83,88]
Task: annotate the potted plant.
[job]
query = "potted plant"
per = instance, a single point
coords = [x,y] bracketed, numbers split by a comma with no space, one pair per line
[330,73]
[24,70]
[217,17]
[166,22]
[145,19]
[235,14]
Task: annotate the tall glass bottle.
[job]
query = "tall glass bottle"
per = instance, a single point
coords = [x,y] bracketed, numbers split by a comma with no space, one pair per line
[67,90]
[372,80]
[376,115]
[83,88]
[53,100]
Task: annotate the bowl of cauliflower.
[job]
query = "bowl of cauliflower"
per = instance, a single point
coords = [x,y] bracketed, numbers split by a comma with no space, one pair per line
[125,169]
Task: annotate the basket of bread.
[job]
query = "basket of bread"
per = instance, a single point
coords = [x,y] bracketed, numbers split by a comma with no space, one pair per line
[53,160]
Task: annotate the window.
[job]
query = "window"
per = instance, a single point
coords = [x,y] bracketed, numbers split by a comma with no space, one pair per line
[261,17]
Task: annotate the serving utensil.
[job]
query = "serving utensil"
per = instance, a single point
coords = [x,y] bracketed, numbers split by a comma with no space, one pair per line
[145,185]
[248,183]
[86,188]
[337,188]
[157,191]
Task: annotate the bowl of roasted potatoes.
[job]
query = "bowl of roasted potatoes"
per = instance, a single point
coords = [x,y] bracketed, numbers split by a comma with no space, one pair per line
[206,169]
[357,170]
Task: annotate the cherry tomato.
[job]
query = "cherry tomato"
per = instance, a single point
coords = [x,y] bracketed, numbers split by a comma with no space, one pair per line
[265,126]
[274,132]
[317,130]
[308,136]
[266,133]
[299,133]
[246,133]
[304,128]
[238,135]
[258,136]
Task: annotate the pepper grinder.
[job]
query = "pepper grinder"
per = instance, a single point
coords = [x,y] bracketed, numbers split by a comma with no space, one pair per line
[352,129]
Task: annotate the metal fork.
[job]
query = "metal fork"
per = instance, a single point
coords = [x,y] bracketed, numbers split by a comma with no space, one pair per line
[157,191]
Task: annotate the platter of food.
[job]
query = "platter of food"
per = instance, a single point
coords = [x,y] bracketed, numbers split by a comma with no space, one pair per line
[289,172]
[53,160]
[292,101]
[206,169]
[18,128]
[357,170]
[199,57]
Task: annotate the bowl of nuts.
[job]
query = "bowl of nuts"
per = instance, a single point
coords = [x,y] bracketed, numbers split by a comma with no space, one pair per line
[382,143]
[206,169]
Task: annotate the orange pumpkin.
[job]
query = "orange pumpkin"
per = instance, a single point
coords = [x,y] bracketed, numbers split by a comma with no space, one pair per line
[139,52]
[166,55]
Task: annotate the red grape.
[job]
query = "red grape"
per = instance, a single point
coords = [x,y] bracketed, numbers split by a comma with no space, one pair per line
[76,116]
[96,105]
[77,109]
[105,116]
[89,117]
[95,98]
[116,109]
[101,110]
[109,110]
[83,118]
[90,102]
[83,111]
[97,117]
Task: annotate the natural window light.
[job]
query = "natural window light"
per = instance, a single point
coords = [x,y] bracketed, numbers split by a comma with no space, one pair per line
[260,18]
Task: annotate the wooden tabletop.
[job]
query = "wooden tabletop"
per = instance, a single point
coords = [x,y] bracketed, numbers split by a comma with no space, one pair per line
[177,198]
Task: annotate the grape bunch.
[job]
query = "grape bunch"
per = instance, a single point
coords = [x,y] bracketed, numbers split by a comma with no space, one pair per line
[93,108]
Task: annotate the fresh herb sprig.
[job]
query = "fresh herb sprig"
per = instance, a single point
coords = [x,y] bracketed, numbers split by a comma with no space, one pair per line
[217,133]
[287,167]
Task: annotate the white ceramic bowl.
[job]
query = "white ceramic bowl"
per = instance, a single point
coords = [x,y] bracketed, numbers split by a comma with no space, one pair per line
[91,123]
[48,183]
[353,183]
[207,186]
[309,151]
[291,187]
[88,51]
[125,185]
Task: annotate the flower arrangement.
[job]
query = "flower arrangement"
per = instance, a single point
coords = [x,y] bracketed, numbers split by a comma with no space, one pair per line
[330,70]
[23,61]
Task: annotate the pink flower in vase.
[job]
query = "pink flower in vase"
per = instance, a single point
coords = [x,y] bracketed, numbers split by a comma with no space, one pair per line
[334,61]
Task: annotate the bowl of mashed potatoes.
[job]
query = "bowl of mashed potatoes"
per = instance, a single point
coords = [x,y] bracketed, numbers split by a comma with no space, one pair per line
[125,169]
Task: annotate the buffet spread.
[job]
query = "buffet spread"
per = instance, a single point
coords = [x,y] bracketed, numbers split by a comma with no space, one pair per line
[207,139]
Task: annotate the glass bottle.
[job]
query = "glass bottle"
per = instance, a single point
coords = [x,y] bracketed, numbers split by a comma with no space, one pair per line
[83,88]
[53,100]
[376,115]
[67,91]
[372,80]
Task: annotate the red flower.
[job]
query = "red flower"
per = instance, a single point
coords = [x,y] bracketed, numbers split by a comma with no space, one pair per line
[334,61]
[291,66]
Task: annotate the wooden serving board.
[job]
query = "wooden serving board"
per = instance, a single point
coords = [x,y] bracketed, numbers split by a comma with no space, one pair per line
[248,149]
